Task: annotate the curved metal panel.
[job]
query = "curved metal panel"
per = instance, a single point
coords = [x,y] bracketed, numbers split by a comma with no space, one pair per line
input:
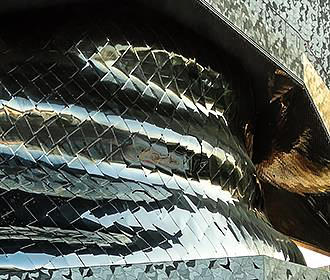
[120,145]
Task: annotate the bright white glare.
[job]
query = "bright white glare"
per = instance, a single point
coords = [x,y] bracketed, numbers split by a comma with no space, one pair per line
[314,259]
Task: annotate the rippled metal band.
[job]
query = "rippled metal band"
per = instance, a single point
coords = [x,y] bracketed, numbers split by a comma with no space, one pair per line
[116,151]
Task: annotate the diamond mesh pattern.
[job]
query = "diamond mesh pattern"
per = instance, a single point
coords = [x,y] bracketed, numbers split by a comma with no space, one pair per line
[115,151]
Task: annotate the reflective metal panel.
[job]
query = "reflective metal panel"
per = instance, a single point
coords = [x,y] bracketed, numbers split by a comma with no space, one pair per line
[120,145]
[253,267]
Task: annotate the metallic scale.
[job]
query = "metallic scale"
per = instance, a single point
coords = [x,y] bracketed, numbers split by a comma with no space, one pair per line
[126,138]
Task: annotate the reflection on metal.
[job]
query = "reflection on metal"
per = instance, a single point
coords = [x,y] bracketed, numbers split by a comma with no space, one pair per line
[252,267]
[319,92]
[115,151]
[294,165]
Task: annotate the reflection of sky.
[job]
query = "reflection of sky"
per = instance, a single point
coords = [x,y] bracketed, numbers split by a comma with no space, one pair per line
[314,259]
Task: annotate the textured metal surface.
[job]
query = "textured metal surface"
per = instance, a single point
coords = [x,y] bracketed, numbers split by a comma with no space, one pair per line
[295,35]
[249,268]
[117,149]
[285,29]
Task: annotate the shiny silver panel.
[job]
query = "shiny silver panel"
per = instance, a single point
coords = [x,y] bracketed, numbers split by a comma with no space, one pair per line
[115,150]
[253,267]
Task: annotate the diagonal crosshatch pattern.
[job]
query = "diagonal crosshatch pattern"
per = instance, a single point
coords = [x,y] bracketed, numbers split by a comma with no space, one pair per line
[117,151]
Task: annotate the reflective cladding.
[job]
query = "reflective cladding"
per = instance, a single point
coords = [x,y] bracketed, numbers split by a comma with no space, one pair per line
[118,148]
[251,267]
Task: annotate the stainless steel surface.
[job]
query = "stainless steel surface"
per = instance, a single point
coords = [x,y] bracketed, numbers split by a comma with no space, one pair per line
[252,267]
[117,147]
[291,130]
[285,29]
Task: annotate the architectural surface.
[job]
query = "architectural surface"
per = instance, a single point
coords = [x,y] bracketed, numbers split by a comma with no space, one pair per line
[126,138]
[118,148]
[247,268]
